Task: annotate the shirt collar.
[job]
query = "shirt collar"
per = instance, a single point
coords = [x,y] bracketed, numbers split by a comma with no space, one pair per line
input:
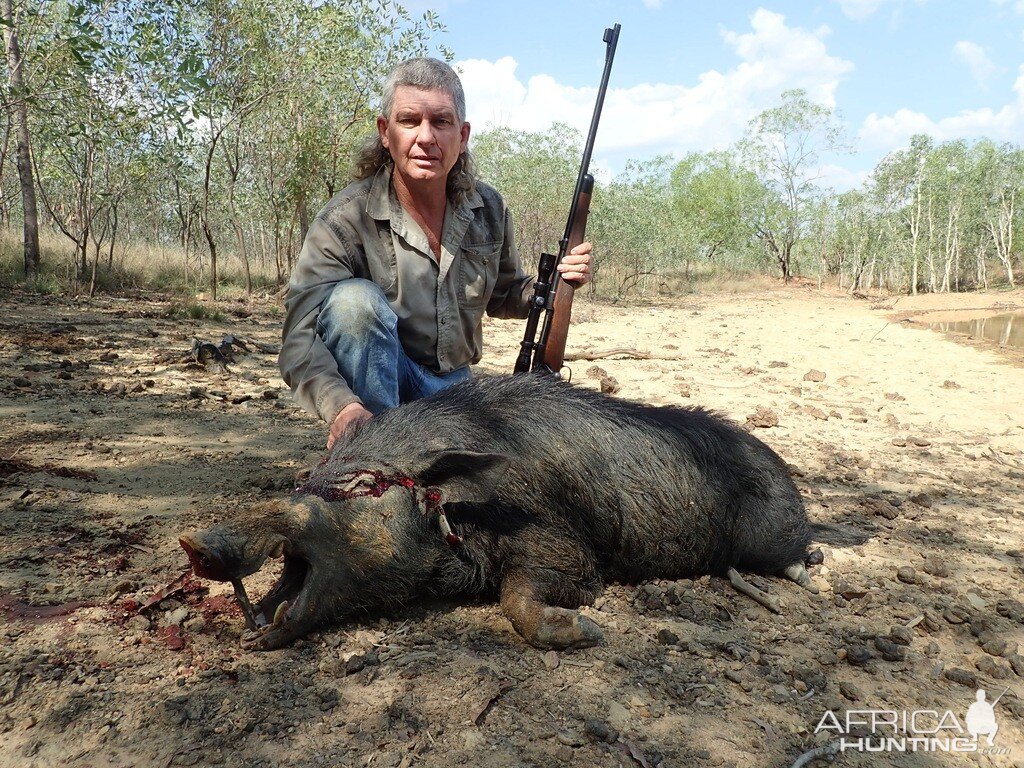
[382,200]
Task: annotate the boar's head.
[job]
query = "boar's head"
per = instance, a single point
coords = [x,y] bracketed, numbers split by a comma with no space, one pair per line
[358,534]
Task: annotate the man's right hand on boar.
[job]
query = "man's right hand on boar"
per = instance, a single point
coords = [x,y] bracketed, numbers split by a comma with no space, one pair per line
[522,487]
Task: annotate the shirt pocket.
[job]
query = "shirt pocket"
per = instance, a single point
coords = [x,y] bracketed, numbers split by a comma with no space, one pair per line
[478,273]
[382,261]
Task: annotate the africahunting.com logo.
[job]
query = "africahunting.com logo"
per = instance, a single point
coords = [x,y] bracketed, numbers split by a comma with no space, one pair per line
[917,730]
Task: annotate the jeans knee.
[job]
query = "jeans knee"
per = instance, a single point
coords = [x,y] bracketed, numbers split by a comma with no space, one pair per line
[356,306]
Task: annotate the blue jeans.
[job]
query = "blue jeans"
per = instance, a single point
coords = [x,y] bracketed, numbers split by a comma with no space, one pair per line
[359,327]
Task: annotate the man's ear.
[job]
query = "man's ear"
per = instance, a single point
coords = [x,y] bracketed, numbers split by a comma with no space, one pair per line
[464,476]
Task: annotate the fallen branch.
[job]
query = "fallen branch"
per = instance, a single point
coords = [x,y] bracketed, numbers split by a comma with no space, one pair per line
[829,750]
[591,354]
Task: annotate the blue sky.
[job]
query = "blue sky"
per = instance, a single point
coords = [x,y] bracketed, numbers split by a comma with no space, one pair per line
[689,75]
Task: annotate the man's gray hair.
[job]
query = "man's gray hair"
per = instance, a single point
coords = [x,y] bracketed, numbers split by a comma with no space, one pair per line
[429,74]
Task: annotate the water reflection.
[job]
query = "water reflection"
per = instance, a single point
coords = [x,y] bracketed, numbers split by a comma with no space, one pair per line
[1006,329]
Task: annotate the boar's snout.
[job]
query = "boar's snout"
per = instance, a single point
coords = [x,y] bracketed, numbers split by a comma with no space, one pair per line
[204,563]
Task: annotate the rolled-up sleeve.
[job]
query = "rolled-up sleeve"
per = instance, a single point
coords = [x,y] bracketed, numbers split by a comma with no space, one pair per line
[306,363]
[513,288]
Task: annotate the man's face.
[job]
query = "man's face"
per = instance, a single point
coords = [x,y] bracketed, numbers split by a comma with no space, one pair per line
[423,134]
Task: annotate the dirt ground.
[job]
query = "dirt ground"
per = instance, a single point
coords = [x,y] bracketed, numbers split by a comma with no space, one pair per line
[907,445]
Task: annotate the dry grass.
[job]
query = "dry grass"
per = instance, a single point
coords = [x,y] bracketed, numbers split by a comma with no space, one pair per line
[137,266]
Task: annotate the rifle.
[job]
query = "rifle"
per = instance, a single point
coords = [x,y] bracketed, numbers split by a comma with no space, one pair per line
[552,296]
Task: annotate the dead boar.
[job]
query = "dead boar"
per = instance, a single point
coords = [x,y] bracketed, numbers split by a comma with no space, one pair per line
[524,487]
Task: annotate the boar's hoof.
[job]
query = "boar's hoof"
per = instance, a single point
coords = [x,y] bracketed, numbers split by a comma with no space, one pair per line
[563,629]
[798,572]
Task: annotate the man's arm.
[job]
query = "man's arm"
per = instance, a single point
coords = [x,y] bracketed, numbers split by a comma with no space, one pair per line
[306,364]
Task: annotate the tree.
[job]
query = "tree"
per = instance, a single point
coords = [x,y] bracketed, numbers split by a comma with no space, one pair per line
[16,106]
[713,197]
[783,146]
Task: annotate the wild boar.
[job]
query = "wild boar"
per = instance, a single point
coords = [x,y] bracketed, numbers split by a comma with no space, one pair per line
[524,487]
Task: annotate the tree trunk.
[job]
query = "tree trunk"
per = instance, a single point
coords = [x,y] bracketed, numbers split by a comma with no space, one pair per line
[19,116]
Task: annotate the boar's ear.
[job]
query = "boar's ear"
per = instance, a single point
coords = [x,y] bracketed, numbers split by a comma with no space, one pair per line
[464,476]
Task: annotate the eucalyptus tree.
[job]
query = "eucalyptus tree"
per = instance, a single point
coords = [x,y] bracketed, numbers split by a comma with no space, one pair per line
[1001,191]
[303,74]
[636,226]
[15,104]
[714,198]
[536,174]
[783,146]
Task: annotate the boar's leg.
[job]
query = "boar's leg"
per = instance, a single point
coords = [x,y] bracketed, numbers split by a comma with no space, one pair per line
[752,592]
[798,572]
[531,597]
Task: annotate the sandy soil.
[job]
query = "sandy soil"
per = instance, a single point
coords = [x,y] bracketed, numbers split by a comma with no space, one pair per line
[907,445]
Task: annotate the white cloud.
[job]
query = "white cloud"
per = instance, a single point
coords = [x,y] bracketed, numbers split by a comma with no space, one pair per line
[886,132]
[858,10]
[977,60]
[665,117]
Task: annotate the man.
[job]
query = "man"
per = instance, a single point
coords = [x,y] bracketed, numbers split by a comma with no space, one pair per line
[386,302]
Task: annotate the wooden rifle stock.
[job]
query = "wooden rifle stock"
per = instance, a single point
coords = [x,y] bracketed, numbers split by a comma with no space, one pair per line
[561,306]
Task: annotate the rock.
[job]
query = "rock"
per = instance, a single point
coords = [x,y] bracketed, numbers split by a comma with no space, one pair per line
[901,635]
[817,413]
[667,637]
[950,384]
[1011,609]
[177,616]
[551,660]
[1017,664]
[858,655]
[956,614]
[850,691]
[815,557]
[355,663]
[907,574]
[571,738]
[894,396]
[977,601]
[814,375]
[609,385]
[989,667]
[935,566]
[618,715]
[923,500]
[596,372]
[920,442]
[140,624]
[961,676]
[600,731]
[763,418]
[889,650]
[996,647]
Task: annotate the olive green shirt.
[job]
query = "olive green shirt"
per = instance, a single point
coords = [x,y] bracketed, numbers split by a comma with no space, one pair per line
[364,232]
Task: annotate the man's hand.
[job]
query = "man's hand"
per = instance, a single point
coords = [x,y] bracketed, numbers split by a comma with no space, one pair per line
[576,266]
[348,418]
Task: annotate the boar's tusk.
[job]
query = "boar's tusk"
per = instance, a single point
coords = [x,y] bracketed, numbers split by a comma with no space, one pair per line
[281,614]
[243,602]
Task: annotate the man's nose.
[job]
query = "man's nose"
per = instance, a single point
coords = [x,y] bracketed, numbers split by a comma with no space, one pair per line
[425,132]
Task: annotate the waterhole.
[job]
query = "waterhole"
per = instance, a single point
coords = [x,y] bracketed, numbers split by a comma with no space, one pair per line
[1006,329]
